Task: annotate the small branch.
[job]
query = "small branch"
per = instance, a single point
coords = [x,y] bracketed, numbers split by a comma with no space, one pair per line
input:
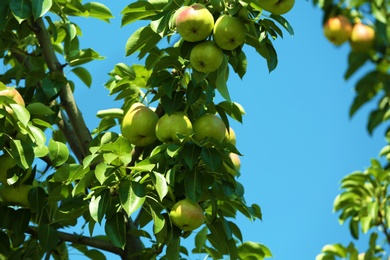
[83,240]
[65,126]
[66,95]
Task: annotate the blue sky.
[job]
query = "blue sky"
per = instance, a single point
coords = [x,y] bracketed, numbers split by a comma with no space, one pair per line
[297,138]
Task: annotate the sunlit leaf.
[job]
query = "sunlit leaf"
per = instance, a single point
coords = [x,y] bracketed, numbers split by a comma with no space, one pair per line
[40,7]
[58,152]
[131,195]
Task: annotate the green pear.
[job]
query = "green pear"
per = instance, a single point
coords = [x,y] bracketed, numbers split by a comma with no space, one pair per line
[168,126]
[187,215]
[230,136]
[194,23]
[276,7]
[206,57]
[229,32]
[139,125]
[209,125]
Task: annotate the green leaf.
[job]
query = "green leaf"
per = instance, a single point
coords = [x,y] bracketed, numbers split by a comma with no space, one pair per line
[131,195]
[143,40]
[38,108]
[115,229]
[173,249]
[98,10]
[250,249]
[21,9]
[355,61]
[21,113]
[37,199]
[84,75]
[211,158]
[99,205]
[5,244]
[48,236]
[4,9]
[58,152]
[138,11]
[200,240]
[160,184]
[193,184]
[40,7]
[22,153]
[79,57]
[190,154]
[283,22]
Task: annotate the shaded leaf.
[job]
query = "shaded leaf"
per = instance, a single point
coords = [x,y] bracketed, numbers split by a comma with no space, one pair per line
[48,236]
[115,229]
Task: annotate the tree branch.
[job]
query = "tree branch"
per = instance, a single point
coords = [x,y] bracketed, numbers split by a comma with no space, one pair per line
[66,95]
[83,240]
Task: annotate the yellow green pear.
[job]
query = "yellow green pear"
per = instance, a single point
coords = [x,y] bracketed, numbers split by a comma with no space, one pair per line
[139,125]
[168,126]
[209,125]
[187,215]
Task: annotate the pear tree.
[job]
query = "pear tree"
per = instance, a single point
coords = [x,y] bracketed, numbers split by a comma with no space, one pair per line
[156,168]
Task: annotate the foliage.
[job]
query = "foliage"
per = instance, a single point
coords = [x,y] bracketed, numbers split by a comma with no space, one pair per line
[98,177]
[364,199]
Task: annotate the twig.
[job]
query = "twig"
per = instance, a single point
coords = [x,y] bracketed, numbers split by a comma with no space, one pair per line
[66,96]
[83,240]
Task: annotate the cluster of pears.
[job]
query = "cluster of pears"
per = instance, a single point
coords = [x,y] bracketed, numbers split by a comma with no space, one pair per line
[142,126]
[339,29]
[195,23]
[10,193]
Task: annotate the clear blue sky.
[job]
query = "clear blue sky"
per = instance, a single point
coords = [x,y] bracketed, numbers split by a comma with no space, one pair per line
[297,137]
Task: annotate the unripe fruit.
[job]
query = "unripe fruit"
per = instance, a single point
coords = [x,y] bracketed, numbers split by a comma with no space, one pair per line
[187,215]
[194,23]
[206,57]
[209,125]
[229,32]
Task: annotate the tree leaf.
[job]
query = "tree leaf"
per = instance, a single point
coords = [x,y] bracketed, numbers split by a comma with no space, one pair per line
[58,152]
[143,40]
[22,153]
[5,244]
[211,158]
[131,195]
[283,22]
[98,10]
[253,249]
[21,113]
[115,229]
[48,236]
[79,57]
[99,205]
[84,75]
[21,9]
[138,11]
[37,198]
[160,184]
[38,108]
[40,7]
[190,154]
